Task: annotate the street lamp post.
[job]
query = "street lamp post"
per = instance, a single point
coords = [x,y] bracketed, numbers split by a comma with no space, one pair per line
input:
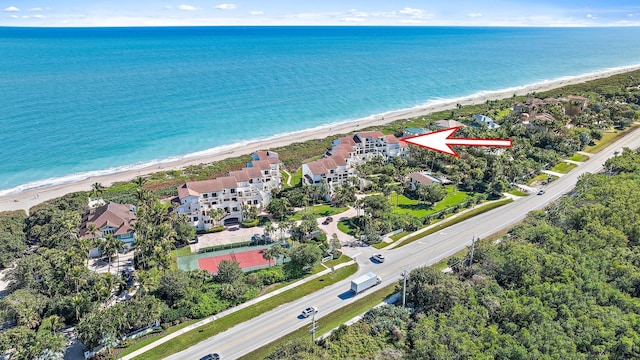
[404,287]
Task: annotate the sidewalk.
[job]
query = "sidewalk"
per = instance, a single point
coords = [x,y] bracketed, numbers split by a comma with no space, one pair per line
[399,241]
[230,311]
[549,172]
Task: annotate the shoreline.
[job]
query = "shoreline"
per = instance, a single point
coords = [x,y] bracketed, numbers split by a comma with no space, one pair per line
[25,199]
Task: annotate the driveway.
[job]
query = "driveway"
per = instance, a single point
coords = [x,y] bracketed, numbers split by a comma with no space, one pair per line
[332,227]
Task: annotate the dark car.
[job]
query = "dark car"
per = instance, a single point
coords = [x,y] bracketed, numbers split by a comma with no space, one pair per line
[213,356]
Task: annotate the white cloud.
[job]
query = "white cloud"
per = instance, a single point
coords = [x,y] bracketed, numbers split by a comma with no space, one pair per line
[11,9]
[475,15]
[411,11]
[187,7]
[226,6]
[353,19]
[14,16]
[35,9]
[168,7]
[589,16]
[38,16]
[258,12]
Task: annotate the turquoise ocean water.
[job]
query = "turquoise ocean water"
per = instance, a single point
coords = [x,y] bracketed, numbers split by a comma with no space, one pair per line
[82,101]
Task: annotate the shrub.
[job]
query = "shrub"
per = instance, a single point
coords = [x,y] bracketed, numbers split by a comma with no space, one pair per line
[174,316]
[271,276]
[207,304]
[213,229]
[251,223]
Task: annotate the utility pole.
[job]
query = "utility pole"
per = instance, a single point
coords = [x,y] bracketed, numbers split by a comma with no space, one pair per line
[404,287]
[313,326]
[473,245]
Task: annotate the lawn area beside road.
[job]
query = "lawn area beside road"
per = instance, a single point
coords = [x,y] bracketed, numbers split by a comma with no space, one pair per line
[563,167]
[421,209]
[607,138]
[206,331]
[579,157]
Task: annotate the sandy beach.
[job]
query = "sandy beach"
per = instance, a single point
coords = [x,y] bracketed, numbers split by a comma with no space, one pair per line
[26,199]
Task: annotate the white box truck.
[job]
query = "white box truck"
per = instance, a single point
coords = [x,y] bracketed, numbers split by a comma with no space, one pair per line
[364,282]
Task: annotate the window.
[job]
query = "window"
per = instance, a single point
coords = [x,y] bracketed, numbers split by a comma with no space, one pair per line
[107,231]
[235,209]
[233,191]
[205,195]
[249,202]
[195,218]
[250,181]
[215,195]
[202,212]
[255,202]
[266,172]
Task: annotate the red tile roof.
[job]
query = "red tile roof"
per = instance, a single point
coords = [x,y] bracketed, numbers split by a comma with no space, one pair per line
[261,164]
[391,139]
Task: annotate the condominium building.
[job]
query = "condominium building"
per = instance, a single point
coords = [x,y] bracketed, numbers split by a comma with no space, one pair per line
[340,161]
[250,186]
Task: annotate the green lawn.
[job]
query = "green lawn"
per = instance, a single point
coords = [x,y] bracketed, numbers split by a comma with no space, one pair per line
[328,322]
[563,167]
[420,209]
[579,157]
[183,251]
[320,211]
[342,259]
[285,178]
[518,193]
[347,227]
[463,217]
[607,138]
[204,332]
[296,179]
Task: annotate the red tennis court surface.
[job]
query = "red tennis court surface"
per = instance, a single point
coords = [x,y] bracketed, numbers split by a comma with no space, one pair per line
[246,259]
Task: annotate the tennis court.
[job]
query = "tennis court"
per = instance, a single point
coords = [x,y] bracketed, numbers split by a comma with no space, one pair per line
[246,259]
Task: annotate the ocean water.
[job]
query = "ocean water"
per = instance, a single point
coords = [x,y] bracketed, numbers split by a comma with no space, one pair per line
[82,101]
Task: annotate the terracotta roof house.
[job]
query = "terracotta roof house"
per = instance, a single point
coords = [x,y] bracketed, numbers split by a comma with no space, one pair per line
[447,124]
[111,219]
[422,178]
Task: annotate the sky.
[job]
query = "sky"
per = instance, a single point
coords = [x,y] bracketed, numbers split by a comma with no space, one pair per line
[320,12]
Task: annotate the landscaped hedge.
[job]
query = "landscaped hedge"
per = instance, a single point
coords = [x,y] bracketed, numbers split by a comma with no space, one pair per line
[213,229]
[250,223]
[225,246]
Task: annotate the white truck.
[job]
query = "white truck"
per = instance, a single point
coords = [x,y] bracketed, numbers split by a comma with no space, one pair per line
[365,282]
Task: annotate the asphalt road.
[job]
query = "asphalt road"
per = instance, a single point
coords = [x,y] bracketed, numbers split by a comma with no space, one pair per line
[250,335]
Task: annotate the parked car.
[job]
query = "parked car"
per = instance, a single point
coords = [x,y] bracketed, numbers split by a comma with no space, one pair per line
[327,220]
[213,356]
[378,257]
[309,311]
[540,192]
[617,152]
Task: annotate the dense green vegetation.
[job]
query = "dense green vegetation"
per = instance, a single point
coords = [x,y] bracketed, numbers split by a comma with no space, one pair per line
[562,284]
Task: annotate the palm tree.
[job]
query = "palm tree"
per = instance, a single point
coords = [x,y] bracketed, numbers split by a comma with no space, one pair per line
[269,229]
[77,303]
[217,215]
[97,189]
[140,181]
[111,246]
[267,254]
[48,354]
[109,341]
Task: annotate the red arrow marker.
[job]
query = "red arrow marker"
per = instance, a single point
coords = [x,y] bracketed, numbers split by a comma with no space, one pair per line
[441,141]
